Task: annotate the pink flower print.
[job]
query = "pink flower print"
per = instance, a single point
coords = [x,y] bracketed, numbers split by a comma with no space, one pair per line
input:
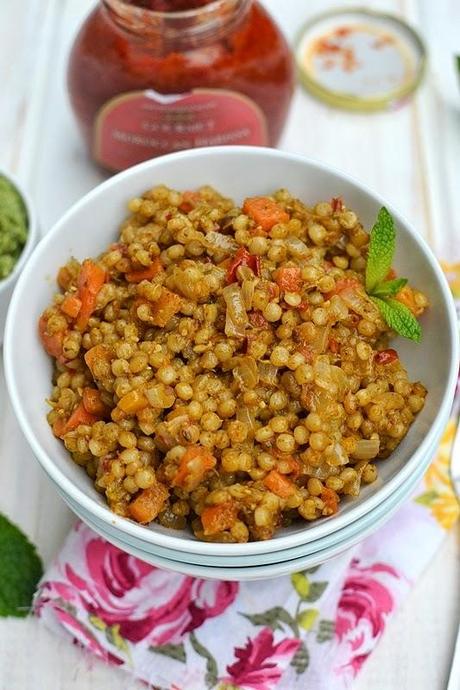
[366,601]
[147,603]
[260,662]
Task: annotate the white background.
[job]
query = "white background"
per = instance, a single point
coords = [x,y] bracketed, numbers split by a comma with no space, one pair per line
[411,156]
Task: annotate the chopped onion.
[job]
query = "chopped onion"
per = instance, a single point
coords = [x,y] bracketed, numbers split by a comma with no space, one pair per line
[366,449]
[268,373]
[247,291]
[321,341]
[355,300]
[246,372]
[322,472]
[330,377]
[336,455]
[168,433]
[216,240]
[236,316]
[296,247]
[244,415]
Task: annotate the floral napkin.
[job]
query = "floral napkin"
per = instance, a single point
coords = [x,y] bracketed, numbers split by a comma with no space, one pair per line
[314,629]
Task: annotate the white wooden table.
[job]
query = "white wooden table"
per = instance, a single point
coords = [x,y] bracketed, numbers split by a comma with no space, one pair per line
[410,156]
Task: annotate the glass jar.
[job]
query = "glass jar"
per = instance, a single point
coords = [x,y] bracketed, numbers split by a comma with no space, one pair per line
[144,82]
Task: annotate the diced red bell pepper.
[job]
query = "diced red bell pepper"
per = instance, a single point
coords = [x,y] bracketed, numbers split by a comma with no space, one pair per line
[386,356]
[243,258]
[337,204]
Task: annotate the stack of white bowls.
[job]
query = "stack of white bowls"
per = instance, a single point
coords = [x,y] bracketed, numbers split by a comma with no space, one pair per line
[238,172]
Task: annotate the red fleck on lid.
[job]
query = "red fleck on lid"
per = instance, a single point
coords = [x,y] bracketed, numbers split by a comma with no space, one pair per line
[360,59]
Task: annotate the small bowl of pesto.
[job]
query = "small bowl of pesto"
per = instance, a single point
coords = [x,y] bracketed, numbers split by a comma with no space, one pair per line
[18,237]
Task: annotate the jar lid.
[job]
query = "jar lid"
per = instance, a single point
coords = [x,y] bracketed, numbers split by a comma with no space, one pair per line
[360,59]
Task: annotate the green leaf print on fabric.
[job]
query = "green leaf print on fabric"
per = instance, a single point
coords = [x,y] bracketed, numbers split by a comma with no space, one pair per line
[326,630]
[301,659]
[211,666]
[173,651]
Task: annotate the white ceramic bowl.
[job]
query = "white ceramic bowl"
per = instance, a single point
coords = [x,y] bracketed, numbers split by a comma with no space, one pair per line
[93,223]
[7,285]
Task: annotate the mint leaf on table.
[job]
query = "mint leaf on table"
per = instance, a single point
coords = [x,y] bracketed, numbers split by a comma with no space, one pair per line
[399,318]
[382,242]
[20,570]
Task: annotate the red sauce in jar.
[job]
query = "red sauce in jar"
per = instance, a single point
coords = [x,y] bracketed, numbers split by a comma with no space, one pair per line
[168,5]
[148,77]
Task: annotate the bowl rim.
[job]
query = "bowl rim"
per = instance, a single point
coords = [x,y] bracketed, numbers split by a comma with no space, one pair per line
[181,543]
[32,231]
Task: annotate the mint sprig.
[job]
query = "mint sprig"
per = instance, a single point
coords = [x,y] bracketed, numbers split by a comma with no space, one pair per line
[382,244]
[389,288]
[399,318]
[20,570]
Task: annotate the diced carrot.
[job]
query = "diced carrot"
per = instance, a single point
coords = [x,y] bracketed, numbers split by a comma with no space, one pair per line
[294,464]
[265,212]
[289,278]
[145,273]
[93,402]
[165,307]
[79,416]
[52,342]
[342,284]
[59,427]
[189,201]
[331,500]
[92,277]
[278,484]
[71,306]
[132,402]
[391,275]
[97,353]
[218,518]
[257,319]
[406,297]
[194,464]
[64,278]
[273,290]
[146,506]
[334,346]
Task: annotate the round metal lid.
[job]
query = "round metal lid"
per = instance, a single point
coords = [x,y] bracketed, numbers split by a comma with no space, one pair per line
[360,59]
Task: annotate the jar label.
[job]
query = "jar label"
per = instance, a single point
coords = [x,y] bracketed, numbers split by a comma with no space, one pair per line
[136,126]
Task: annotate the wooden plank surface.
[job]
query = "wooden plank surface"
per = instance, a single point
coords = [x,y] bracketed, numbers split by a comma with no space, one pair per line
[410,156]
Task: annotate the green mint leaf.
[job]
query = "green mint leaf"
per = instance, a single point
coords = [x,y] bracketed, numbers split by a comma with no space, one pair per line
[399,318]
[389,288]
[20,570]
[382,242]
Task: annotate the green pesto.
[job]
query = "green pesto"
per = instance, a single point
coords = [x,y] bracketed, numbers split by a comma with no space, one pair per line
[13,226]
